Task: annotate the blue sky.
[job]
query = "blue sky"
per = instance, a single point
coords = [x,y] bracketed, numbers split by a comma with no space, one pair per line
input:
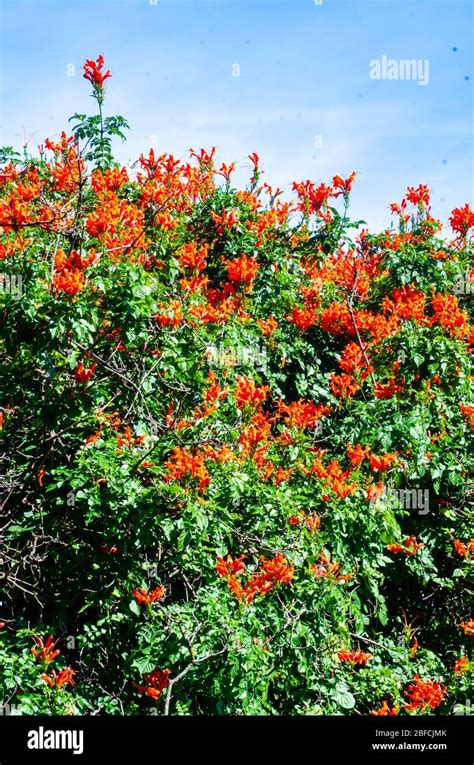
[304,100]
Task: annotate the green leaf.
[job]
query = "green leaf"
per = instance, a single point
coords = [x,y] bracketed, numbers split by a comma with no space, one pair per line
[344,697]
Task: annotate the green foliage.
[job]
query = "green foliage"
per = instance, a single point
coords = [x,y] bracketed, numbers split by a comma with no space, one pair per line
[189,373]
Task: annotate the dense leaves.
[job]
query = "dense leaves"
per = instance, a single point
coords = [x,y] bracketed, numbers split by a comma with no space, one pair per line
[235,440]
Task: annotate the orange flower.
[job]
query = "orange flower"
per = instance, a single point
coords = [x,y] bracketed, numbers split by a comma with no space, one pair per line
[222,455]
[41,473]
[70,281]
[313,522]
[355,657]
[155,683]
[343,489]
[194,284]
[468,627]
[374,490]
[93,72]
[113,550]
[378,326]
[255,159]
[242,270]
[465,550]
[183,464]
[58,679]
[405,303]
[191,257]
[268,326]
[227,220]
[92,439]
[277,570]
[327,570]
[414,648]
[462,219]
[84,375]
[461,664]
[46,651]
[228,567]
[170,315]
[419,196]
[145,598]
[109,180]
[235,587]
[282,475]
[311,197]
[345,186]
[384,710]
[303,318]
[226,170]
[381,463]
[335,479]
[295,520]
[408,547]
[248,394]
[271,573]
[447,312]
[13,214]
[256,433]
[336,320]
[126,438]
[302,414]
[256,585]
[468,414]
[389,390]
[353,360]
[357,454]
[422,695]
[343,385]
[214,392]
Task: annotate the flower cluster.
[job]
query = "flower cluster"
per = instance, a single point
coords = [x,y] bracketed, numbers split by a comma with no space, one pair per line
[271,574]
[423,695]
[93,71]
[409,546]
[45,652]
[356,658]
[155,683]
[194,367]
[145,598]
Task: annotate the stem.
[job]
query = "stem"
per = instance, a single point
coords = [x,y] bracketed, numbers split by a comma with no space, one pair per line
[99,101]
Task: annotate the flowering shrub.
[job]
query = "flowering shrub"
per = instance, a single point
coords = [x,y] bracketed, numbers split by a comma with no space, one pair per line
[235,433]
